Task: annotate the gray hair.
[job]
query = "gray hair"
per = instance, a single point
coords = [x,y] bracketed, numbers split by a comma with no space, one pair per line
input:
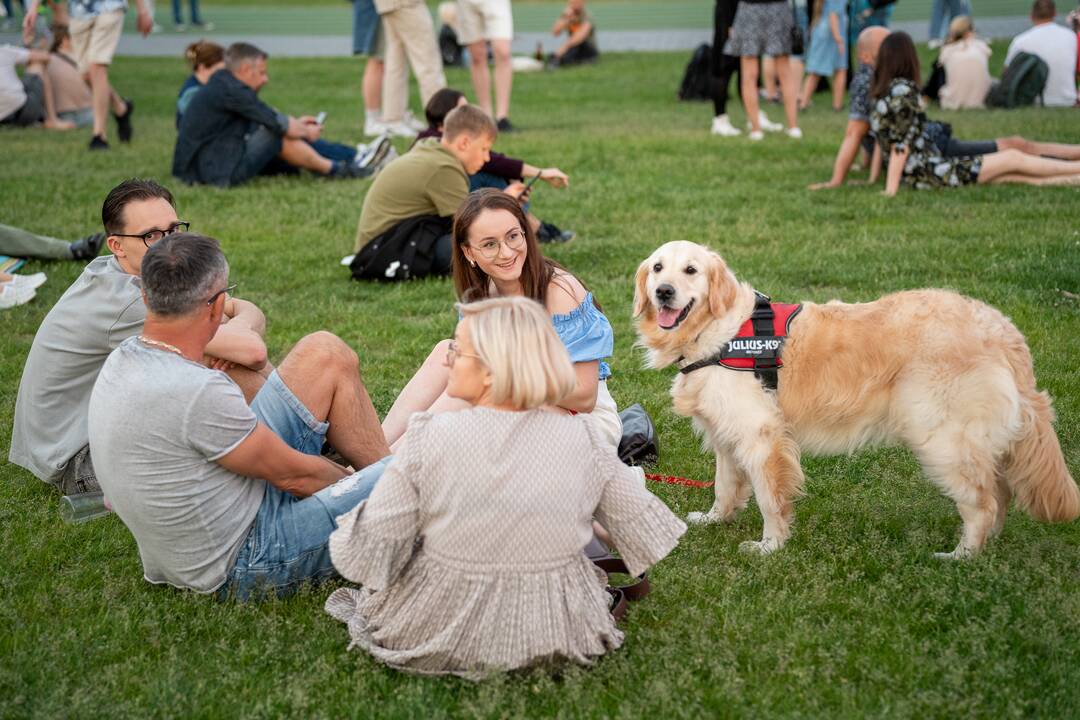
[241,52]
[180,272]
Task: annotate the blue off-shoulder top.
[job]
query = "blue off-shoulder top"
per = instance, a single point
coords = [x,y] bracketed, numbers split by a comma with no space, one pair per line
[587,334]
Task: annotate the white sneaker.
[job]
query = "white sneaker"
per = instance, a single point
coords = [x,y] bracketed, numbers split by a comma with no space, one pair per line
[721,125]
[391,156]
[756,135]
[414,122]
[794,133]
[373,126]
[30,281]
[10,295]
[934,43]
[398,128]
[768,125]
[347,260]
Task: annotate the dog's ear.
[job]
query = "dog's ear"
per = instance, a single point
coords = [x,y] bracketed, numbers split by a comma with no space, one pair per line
[721,286]
[641,298]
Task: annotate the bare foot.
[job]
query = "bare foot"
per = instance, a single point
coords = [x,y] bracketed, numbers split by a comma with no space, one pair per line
[59,125]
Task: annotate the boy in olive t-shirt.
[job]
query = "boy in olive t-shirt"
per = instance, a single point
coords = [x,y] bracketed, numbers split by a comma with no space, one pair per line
[431,180]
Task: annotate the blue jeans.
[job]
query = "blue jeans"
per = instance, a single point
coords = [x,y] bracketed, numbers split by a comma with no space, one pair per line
[333,151]
[942,14]
[487,180]
[178,15]
[288,543]
[365,29]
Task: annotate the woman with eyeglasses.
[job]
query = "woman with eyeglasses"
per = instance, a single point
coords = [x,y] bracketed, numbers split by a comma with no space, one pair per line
[495,253]
[499,580]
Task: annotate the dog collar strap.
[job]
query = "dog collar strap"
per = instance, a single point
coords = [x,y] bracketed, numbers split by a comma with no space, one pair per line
[758,345]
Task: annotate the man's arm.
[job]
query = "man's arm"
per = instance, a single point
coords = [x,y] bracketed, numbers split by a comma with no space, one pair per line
[240,339]
[144,21]
[30,18]
[853,135]
[262,454]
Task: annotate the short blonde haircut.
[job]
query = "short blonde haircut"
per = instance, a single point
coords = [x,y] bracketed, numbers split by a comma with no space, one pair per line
[960,26]
[515,339]
[468,120]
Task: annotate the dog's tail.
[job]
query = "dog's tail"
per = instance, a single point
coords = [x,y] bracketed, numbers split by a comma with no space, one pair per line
[1034,466]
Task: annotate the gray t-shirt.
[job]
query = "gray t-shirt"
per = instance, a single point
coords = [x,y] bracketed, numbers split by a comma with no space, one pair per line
[158,423]
[100,310]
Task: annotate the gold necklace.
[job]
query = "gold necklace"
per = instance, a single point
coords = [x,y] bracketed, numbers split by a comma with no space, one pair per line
[163,345]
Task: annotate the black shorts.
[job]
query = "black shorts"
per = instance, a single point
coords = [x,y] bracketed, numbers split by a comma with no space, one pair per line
[968,148]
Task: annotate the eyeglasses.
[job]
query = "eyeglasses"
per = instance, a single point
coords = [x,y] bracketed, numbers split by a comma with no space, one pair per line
[152,236]
[230,290]
[452,354]
[490,247]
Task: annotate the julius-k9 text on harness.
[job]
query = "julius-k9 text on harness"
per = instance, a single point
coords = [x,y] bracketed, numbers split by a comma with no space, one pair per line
[758,345]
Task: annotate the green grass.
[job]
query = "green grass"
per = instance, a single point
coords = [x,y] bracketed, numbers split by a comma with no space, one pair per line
[853,618]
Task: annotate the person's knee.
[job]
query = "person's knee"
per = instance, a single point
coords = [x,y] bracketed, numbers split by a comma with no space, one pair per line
[501,51]
[1015,142]
[478,54]
[324,349]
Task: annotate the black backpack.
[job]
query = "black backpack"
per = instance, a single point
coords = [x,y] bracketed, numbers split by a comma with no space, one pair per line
[404,252]
[449,47]
[698,76]
[1023,82]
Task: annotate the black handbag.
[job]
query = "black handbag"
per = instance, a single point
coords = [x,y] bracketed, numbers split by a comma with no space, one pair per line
[798,42]
[640,445]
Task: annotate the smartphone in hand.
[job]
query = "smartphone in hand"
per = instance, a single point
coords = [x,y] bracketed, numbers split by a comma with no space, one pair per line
[321,118]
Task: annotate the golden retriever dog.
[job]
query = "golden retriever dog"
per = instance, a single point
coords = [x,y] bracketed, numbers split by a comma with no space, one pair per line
[947,376]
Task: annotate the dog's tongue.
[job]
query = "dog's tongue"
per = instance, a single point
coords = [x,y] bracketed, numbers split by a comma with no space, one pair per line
[667,317]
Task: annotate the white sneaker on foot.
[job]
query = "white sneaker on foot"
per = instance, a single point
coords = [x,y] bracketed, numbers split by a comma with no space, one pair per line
[10,295]
[398,128]
[721,125]
[414,122]
[373,126]
[28,281]
[768,125]
[756,135]
[794,133]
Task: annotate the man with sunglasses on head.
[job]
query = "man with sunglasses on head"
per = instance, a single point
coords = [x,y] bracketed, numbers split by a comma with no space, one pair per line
[101,309]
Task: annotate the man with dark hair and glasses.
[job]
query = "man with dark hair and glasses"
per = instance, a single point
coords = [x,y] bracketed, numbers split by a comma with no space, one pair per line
[223,496]
[102,308]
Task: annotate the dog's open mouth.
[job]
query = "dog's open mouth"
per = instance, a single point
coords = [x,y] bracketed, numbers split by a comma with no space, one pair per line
[669,318]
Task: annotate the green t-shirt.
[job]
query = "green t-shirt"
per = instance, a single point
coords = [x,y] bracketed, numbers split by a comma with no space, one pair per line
[427,180]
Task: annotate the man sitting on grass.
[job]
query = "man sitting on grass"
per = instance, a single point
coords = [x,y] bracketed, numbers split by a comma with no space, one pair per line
[857,134]
[404,229]
[103,307]
[228,136]
[221,496]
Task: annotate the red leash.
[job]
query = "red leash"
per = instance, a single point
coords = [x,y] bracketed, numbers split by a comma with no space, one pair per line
[675,480]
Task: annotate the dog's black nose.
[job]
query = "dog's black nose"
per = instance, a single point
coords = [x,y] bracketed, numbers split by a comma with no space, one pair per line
[665,292]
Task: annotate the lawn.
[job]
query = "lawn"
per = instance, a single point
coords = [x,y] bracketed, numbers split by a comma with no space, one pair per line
[854,617]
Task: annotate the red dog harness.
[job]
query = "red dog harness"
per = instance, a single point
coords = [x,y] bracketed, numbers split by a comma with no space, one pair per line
[759,343]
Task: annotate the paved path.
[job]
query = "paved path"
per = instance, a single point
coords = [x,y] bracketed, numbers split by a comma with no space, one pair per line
[313,45]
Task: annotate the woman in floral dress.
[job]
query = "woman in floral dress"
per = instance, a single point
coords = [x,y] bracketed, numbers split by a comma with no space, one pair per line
[899,123]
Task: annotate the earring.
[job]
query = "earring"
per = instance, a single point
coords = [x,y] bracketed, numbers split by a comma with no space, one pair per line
[473,263]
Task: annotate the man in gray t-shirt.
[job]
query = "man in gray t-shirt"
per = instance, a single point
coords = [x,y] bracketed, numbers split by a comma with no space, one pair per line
[221,496]
[102,308]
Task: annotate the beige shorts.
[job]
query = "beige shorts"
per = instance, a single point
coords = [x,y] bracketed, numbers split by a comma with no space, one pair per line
[484,20]
[94,40]
[606,415]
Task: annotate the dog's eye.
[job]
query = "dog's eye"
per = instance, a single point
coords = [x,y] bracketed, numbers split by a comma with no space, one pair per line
[690,270]
[657,267]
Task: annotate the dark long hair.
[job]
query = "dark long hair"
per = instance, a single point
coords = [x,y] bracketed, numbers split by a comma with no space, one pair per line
[439,106]
[896,59]
[470,282]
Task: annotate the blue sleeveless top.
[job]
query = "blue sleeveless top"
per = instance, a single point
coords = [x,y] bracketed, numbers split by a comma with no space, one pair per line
[587,334]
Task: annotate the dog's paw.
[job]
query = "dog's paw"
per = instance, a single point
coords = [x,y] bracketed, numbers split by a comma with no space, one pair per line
[759,547]
[960,553]
[700,518]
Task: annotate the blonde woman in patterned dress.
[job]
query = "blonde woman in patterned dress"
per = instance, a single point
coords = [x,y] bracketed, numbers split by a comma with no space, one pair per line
[899,123]
[470,549]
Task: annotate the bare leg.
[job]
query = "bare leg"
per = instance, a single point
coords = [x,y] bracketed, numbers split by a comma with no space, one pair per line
[768,77]
[1008,165]
[481,77]
[1019,179]
[809,85]
[299,154]
[419,394]
[443,403]
[504,77]
[839,82]
[119,107]
[99,85]
[250,381]
[373,77]
[788,90]
[324,374]
[1060,151]
[51,120]
[796,72]
[749,71]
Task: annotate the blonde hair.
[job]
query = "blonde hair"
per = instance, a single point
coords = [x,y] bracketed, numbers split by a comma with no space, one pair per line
[959,27]
[515,339]
[469,120]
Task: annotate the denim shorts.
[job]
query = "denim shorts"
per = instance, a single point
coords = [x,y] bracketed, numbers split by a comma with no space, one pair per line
[367,35]
[288,543]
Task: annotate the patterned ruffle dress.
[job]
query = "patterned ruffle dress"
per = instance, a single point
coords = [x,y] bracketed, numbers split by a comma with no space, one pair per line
[899,122]
[469,550]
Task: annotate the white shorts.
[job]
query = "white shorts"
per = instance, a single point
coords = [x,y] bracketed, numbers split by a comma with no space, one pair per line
[606,415]
[94,39]
[484,20]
